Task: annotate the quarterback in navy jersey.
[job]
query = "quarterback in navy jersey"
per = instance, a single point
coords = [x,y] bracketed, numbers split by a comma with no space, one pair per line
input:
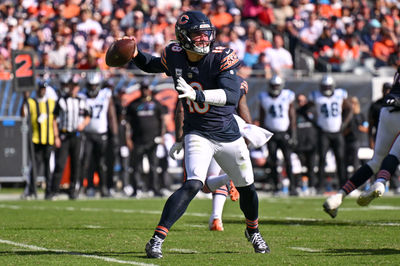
[205,77]
[385,159]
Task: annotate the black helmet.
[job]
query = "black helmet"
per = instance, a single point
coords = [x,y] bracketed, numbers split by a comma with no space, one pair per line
[327,85]
[275,86]
[192,22]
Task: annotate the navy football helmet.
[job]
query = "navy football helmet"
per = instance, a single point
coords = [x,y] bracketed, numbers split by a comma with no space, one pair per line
[191,24]
[275,86]
[327,85]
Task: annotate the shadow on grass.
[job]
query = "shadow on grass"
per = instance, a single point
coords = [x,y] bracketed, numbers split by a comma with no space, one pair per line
[361,251]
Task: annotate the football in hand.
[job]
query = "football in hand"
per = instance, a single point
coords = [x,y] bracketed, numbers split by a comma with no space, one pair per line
[120,52]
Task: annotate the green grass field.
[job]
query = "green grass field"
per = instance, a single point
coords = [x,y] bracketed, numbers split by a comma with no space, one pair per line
[115,231]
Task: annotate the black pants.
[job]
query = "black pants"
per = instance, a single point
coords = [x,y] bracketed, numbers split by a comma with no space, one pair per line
[336,142]
[94,159]
[70,145]
[308,158]
[351,154]
[42,155]
[280,141]
[139,151]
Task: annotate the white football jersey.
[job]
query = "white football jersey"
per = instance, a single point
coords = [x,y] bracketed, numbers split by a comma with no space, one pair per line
[99,105]
[277,110]
[329,109]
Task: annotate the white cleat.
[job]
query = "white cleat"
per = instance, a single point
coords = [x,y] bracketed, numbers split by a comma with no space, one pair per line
[375,191]
[332,204]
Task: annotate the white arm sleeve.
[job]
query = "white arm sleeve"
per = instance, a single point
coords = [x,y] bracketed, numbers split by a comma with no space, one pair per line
[215,97]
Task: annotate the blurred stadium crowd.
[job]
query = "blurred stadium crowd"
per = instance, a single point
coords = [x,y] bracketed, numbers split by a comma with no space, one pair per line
[339,35]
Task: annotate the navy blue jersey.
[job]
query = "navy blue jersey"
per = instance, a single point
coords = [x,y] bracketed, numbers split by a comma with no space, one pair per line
[216,70]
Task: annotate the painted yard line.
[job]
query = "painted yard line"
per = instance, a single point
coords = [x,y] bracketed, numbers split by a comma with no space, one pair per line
[294,219]
[185,251]
[374,207]
[311,250]
[107,259]
[92,226]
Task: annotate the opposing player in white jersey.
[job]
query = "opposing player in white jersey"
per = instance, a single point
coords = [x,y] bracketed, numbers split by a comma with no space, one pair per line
[387,144]
[103,118]
[331,105]
[277,114]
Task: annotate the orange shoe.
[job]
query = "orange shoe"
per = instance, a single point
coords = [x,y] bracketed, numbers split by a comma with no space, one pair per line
[216,225]
[233,191]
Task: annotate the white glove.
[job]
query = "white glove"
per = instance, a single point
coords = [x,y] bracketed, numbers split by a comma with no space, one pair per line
[186,89]
[176,148]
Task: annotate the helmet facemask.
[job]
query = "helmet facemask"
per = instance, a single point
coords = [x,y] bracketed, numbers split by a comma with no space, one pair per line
[327,85]
[275,86]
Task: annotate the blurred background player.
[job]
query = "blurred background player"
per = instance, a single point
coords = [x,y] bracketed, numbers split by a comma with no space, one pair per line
[146,116]
[386,139]
[125,142]
[71,116]
[39,110]
[96,132]
[277,114]
[331,105]
[306,148]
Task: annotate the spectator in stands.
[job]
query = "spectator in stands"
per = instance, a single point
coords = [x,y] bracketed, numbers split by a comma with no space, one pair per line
[383,48]
[58,55]
[353,135]
[311,32]
[278,57]
[282,11]
[294,25]
[373,34]
[221,17]
[237,44]
[237,24]
[266,13]
[324,47]
[261,44]
[394,58]
[88,23]
[69,9]
[262,69]
[251,55]
[346,54]
[39,111]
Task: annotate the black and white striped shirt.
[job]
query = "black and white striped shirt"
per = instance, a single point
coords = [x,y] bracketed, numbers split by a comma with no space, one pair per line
[70,112]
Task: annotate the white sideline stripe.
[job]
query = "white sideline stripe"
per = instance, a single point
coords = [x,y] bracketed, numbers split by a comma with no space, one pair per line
[294,219]
[186,251]
[74,253]
[306,249]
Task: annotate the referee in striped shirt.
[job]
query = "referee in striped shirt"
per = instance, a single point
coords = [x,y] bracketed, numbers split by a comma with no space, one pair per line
[72,114]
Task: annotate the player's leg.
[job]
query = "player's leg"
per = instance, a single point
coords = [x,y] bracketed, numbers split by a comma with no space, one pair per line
[272,160]
[338,151]
[323,146]
[234,159]
[387,169]
[287,151]
[218,198]
[388,130]
[75,151]
[100,160]
[198,154]
[61,158]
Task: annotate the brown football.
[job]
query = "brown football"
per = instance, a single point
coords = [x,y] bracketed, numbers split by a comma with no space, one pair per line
[120,52]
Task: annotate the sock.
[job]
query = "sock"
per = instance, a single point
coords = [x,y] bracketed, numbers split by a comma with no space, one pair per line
[218,201]
[214,182]
[388,167]
[359,177]
[249,206]
[176,206]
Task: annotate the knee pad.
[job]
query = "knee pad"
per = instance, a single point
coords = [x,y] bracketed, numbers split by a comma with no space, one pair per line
[192,186]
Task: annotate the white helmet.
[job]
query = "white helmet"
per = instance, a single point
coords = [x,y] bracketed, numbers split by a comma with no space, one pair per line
[327,85]
[275,85]
[94,80]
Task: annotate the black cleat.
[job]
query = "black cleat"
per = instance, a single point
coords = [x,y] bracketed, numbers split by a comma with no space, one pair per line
[259,244]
